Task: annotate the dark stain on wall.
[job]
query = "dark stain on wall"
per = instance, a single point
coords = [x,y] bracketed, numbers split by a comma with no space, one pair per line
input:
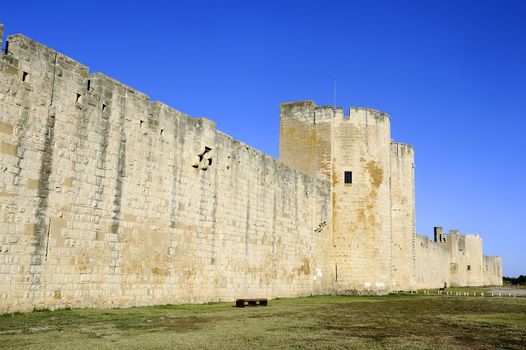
[103,131]
[119,180]
[42,221]
[376,173]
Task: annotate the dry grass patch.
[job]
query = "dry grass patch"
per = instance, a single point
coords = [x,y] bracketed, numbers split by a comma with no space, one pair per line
[325,322]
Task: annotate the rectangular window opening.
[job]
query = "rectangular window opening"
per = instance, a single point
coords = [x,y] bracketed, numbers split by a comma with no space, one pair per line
[348,177]
[79,98]
[89,84]
[469,267]
[25,76]
[103,107]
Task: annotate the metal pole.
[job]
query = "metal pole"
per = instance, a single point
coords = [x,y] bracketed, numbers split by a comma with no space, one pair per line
[334,94]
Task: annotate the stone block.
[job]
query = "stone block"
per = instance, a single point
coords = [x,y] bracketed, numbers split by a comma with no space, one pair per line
[6,128]
[7,148]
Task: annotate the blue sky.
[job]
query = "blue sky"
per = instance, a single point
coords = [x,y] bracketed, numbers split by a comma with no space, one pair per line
[452,75]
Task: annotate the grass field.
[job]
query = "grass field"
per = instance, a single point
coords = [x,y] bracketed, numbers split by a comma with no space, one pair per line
[322,322]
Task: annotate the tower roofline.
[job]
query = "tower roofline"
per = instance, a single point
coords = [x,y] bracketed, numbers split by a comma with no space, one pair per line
[311,103]
[298,103]
[367,109]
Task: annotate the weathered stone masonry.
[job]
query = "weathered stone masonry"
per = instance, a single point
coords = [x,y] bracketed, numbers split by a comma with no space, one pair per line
[108,199]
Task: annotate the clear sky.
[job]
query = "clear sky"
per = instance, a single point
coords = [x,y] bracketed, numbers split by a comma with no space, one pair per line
[452,75]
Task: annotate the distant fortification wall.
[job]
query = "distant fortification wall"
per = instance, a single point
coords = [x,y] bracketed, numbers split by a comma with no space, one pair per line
[456,259]
[492,270]
[108,199]
[466,259]
[432,263]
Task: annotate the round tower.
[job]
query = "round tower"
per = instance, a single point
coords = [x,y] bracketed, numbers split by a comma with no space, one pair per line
[403,216]
[361,148]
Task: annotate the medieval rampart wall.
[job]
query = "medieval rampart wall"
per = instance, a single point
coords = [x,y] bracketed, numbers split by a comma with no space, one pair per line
[108,199]
[492,270]
[466,259]
[432,263]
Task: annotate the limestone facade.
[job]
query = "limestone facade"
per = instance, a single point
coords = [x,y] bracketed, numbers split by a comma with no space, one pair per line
[108,199]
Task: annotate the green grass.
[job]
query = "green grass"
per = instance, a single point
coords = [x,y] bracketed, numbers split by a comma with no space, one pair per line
[323,322]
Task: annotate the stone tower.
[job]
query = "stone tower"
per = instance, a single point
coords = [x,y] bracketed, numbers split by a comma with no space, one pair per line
[403,224]
[354,152]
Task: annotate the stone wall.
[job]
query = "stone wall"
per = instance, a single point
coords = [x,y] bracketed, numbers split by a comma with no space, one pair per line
[467,265]
[432,263]
[305,140]
[108,199]
[466,261]
[492,270]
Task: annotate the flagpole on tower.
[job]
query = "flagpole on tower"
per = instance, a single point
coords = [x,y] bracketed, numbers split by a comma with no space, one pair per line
[334,93]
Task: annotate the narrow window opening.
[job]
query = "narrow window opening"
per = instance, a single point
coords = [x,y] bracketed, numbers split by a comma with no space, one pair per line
[469,267]
[162,130]
[140,124]
[348,177]
[89,84]
[25,76]
[7,47]
[79,98]
[103,107]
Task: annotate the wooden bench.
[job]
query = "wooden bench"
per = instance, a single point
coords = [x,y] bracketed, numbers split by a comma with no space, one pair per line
[251,302]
